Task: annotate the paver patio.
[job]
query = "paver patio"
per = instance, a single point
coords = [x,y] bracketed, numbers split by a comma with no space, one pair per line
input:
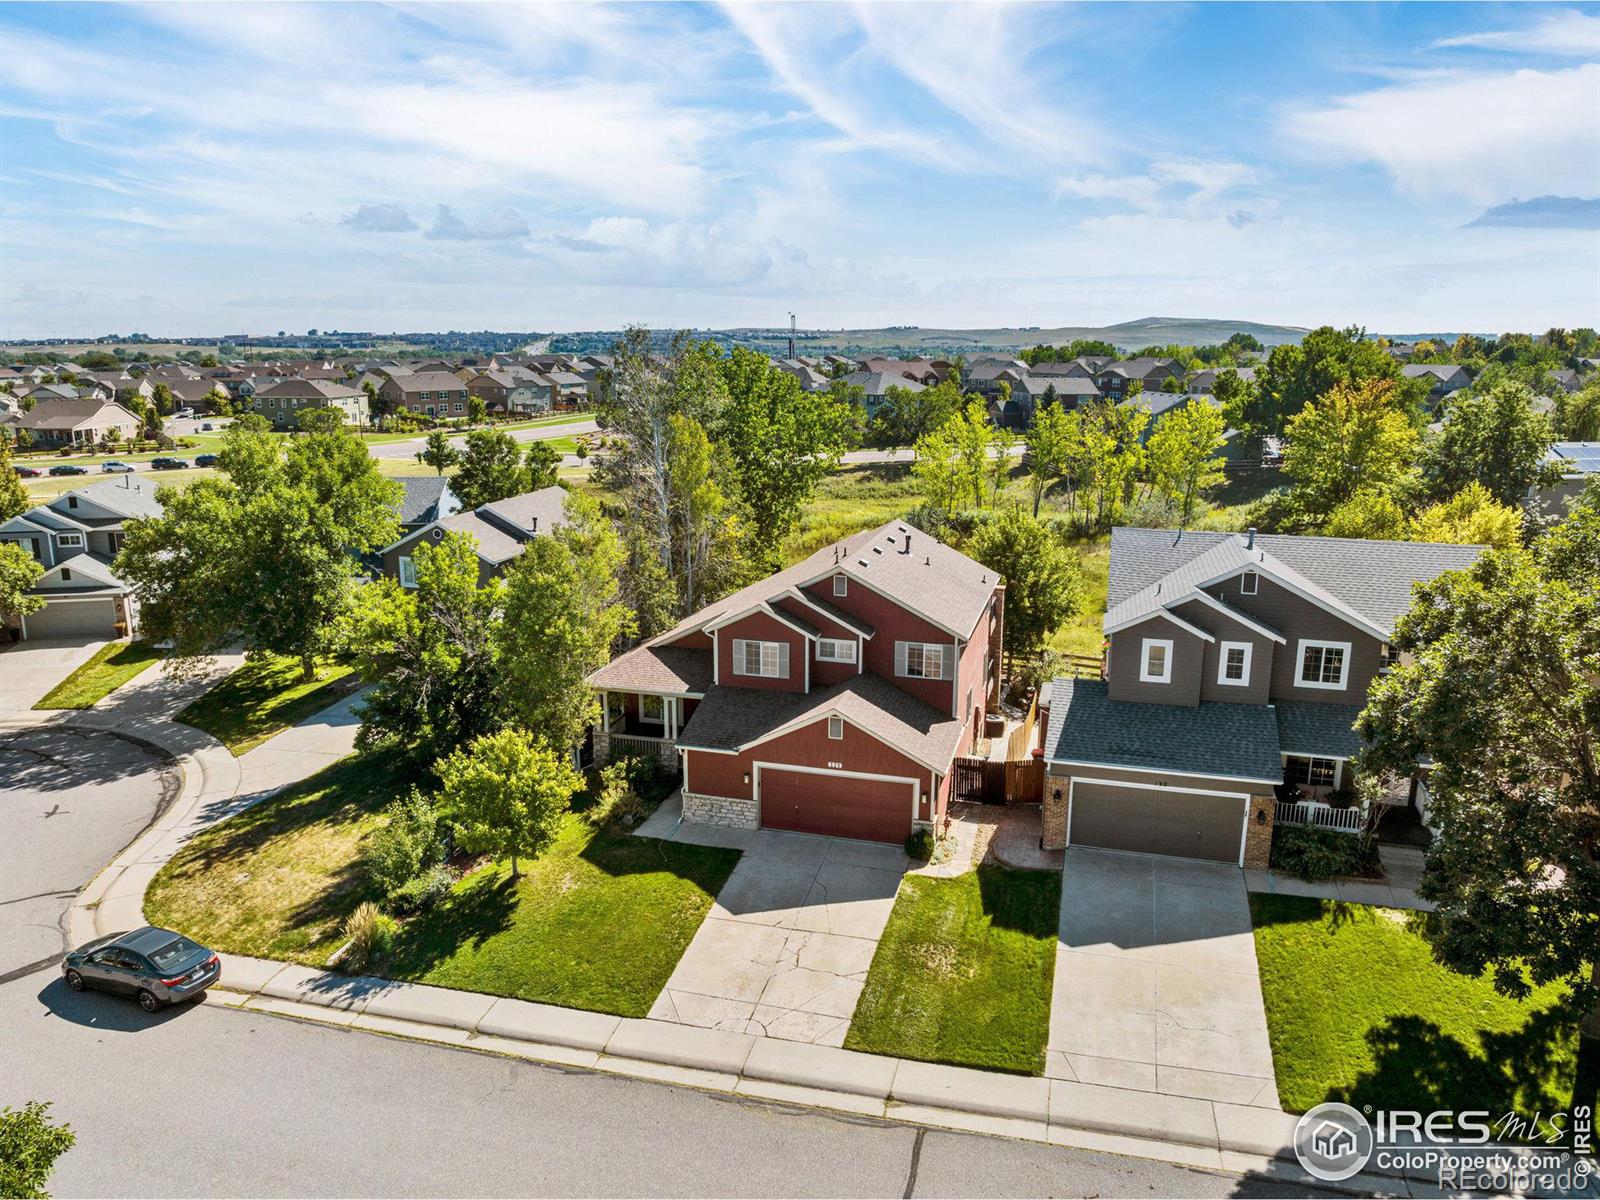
[1156,983]
[785,950]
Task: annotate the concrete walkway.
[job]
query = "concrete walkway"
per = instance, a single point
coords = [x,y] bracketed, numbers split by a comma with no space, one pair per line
[30,670]
[1156,985]
[1402,866]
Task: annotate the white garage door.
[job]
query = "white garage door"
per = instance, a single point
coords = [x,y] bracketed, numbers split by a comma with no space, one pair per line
[73,618]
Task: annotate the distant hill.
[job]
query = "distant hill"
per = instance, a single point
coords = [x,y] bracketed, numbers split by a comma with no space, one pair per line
[913,339]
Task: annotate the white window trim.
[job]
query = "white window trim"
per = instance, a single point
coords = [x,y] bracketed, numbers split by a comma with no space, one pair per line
[741,649]
[1305,644]
[1253,580]
[406,568]
[836,723]
[1222,663]
[841,585]
[649,720]
[836,650]
[923,648]
[1145,674]
[70,539]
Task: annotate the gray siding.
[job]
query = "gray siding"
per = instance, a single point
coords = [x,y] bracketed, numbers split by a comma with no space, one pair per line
[1126,653]
[1225,629]
[407,548]
[1296,618]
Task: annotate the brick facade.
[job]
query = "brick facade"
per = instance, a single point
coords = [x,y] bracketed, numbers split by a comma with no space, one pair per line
[1258,834]
[1053,816]
[721,810]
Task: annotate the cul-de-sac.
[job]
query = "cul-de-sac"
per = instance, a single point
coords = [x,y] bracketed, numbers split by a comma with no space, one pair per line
[623,737]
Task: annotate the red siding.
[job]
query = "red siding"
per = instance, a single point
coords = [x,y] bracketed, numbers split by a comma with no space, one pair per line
[724,774]
[824,674]
[761,627]
[891,623]
[695,640]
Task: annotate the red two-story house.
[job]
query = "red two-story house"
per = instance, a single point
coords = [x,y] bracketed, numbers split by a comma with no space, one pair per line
[829,698]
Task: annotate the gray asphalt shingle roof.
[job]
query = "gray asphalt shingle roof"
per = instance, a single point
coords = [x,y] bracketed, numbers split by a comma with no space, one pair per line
[1231,741]
[673,669]
[1326,730]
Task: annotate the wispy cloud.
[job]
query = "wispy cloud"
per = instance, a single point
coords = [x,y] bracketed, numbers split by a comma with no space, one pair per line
[1568,32]
[500,225]
[1542,212]
[380,218]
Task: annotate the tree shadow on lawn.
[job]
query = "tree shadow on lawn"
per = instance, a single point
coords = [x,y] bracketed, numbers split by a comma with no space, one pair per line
[483,906]
[619,854]
[1417,1065]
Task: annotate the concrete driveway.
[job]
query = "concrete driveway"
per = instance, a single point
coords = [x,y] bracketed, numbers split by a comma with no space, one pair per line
[785,949]
[29,670]
[1156,984]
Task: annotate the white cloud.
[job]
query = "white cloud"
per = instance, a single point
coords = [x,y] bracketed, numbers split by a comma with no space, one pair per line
[499,225]
[630,250]
[380,218]
[1481,135]
[1568,32]
[1170,184]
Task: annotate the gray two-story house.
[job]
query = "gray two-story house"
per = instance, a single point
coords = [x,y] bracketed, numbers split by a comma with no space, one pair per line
[1235,667]
[75,537]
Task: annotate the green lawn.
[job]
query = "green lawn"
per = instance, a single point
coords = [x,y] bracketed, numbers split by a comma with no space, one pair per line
[1358,1011]
[599,922]
[963,972]
[112,666]
[264,697]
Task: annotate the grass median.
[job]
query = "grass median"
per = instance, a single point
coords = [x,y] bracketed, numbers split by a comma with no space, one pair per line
[112,666]
[263,698]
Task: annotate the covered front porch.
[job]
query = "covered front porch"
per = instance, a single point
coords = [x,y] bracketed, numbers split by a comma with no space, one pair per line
[1318,744]
[641,725]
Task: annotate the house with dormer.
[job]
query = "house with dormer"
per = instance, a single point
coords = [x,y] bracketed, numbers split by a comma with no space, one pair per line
[830,698]
[75,537]
[1235,667]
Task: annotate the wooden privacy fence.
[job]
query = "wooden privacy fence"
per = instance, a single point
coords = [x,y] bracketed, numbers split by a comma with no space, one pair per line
[982,781]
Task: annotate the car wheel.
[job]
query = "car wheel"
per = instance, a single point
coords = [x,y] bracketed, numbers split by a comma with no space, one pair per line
[75,981]
[148,1001]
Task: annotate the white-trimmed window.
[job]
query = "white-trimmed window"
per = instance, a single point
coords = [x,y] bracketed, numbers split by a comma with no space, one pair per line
[1233,663]
[841,585]
[1155,661]
[69,539]
[1323,664]
[1249,583]
[1310,772]
[652,710]
[921,660]
[407,568]
[770,660]
[836,728]
[839,650]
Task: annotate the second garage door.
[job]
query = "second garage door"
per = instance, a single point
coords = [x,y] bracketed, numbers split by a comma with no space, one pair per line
[74,618]
[1156,821]
[877,810]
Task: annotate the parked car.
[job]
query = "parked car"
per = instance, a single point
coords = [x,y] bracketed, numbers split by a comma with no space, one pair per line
[184,414]
[68,469]
[28,472]
[156,966]
[168,464]
[114,468]
[205,460]
[206,427]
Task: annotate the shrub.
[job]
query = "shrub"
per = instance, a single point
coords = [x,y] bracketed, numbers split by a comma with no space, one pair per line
[616,802]
[920,845]
[422,892]
[368,935]
[1310,853]
[29,1147]
[405,846]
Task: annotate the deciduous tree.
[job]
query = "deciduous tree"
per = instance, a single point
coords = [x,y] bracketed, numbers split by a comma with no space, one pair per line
[438,452]
[1044,584]
[19,571]
[1493,438]
[1352,439]
[1472,517]
[1182,454]
[14,498]
[1052,442]
[506,794]
[490,468]
[30,1143]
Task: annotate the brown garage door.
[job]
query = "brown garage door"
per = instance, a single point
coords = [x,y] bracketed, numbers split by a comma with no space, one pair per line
[876,810]
[1154,821]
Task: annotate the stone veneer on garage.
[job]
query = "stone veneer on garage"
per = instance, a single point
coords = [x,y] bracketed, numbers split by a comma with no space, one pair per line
[721,810]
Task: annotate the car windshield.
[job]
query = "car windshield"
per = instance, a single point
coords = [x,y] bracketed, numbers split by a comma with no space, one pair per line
[173,953]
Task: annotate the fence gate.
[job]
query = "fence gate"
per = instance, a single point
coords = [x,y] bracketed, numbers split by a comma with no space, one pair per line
[979,781]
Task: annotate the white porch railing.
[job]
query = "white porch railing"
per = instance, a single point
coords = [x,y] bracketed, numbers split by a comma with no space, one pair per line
[625,745]
[1298,812]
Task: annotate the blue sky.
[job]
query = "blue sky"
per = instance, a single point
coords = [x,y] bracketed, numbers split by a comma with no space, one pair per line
[217,168]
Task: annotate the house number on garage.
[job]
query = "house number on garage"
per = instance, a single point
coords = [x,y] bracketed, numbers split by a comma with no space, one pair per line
[835,766]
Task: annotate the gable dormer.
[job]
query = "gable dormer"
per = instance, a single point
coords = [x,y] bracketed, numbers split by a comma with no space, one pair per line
[762,647]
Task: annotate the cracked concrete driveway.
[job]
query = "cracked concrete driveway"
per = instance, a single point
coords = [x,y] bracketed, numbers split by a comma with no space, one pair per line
[785,949]
[1156,984]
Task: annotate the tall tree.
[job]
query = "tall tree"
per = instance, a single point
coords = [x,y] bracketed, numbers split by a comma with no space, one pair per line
[14,498]
[265,552]
[541,462]
[1295,375]
[490,468]
[438,452]
[477,410]
[1494,438]
[563,617]
[782,443]
[506,794]
[1351,440]
[429,653]
[1182,454]
[1498,685]
[1044,583]
[1052,442]
[19,571]
[905,417]
[1577,414]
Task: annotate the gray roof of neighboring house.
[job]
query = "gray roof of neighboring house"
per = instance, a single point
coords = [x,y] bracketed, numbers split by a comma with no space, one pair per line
[70,414]
[673,669]
[427,381]
[1440,371]
[310,389]
[421,498]
[876,383]
[531,512]
[495,545]
[1161,402]
[729,718]
[1325,730]
[129,495]
[1232,741]
[1371,579]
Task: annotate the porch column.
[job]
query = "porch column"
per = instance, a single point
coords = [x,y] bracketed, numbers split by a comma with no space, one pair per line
[672,718]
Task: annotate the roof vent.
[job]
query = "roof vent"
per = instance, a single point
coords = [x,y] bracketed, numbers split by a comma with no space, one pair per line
[1251,544]
[906,547]
[533,524]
